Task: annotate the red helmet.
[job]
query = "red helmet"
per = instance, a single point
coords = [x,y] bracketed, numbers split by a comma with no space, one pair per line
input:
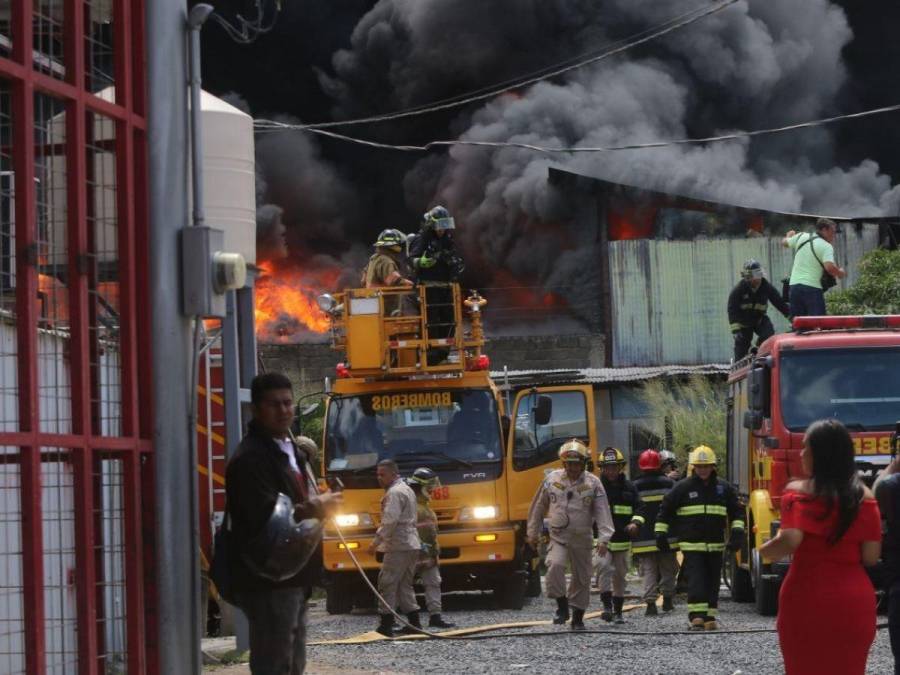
[649,460]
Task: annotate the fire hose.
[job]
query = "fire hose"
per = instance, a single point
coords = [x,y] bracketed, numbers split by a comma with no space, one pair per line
[418,631]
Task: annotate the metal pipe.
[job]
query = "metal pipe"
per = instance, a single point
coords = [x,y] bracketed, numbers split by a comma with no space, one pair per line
[196,18]
[177,568]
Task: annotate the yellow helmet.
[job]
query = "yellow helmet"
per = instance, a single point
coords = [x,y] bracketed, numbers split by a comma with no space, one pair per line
[573,450]
[612,457]
[702,455]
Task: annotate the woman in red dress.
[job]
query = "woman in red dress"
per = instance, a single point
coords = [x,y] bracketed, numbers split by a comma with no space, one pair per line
[831,524]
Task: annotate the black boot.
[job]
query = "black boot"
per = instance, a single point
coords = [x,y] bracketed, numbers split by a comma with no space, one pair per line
[651,609]
[386,627]
[437,622]
[668,603]
[617,610]
[607,600]
[414,625]
[577,619]
[562,611]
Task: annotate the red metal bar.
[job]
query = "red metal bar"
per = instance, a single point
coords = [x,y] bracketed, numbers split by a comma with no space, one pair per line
[134,564]
[79,357]
[26,329]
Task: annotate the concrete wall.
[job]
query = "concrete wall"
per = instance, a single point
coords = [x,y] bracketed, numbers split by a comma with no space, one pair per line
[308,364]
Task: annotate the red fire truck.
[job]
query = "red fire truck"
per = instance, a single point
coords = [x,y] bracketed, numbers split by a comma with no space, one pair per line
[842,367]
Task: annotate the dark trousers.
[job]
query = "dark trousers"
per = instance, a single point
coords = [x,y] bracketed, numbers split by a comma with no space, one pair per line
[703,572]
[744,336]
[807,301]
[894,623]
[441,319]
[277,621]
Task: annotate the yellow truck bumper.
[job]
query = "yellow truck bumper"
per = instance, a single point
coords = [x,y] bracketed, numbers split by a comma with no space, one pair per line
[458,547]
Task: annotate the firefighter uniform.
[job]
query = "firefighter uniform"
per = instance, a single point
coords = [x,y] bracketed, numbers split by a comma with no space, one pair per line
[748,304]
[398,540]
[627,509]
[699,512]
[422,482]
[659,569]
[572,508]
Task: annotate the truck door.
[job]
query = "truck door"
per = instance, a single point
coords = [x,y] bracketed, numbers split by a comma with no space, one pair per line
[534,442]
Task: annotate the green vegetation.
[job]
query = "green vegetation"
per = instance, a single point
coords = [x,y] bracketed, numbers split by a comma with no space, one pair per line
[876,290]
[695,411]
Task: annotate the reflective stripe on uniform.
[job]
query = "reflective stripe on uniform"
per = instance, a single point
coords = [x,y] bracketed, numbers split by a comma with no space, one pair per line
[716,510]
[644,547]
[619,546]
[712,611]
[660,527]
[691,510]
[653,498]
[640,520]
[692,546]
[622,510]
[737,525]
[737,326]
[698,607]
[715,548]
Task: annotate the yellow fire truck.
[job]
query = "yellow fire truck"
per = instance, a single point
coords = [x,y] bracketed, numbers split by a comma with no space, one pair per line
[842,367]
[415,387]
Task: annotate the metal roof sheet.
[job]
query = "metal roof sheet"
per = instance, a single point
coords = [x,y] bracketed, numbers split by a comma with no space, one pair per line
[612,375]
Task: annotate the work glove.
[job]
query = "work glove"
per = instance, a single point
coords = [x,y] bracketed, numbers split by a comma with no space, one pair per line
[662,543]
[425,262]
[736,540]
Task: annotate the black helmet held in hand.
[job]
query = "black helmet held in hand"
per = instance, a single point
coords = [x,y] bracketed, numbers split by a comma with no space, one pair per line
[284,545]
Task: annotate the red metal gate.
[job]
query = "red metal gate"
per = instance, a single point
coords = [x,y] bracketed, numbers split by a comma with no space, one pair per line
[76,497]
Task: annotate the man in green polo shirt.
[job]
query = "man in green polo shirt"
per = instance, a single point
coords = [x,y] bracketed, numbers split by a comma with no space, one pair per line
[813,255]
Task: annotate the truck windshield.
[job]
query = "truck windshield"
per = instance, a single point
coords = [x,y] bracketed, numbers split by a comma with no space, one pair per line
[443,429]
[860,387]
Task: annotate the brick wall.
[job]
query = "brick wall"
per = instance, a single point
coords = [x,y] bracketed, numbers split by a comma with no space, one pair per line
[308,364]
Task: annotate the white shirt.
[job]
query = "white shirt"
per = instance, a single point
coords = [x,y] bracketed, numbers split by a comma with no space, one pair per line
[287,447]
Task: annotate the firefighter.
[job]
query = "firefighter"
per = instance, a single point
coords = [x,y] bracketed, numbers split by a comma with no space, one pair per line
[573,501]
[626,507]
[422,482]
[700,508]
[437,264]
[658,568]
[387,266]
[748,303]
[668,464]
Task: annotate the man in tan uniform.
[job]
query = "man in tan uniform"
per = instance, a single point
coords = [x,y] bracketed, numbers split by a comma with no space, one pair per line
[573,500]
[387,266]
[398,540]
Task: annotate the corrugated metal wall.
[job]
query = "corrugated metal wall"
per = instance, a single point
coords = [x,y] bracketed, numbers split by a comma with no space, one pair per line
[669,298]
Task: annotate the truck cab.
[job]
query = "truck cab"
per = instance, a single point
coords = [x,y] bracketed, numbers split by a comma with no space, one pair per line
[490,443]
[841,367]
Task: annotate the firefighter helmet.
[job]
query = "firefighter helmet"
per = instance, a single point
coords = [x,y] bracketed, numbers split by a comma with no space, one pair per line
[439,218]
[752,270]
[424,479]
[702,455]
[390,238]
[667,457]
[612,457]
[574,450]
[649,460]
[284,545]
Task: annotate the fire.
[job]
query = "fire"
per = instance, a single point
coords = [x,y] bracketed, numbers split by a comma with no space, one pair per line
[286,301]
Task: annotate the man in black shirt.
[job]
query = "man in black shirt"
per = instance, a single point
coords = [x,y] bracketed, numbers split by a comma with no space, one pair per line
[748,303]
[267,464]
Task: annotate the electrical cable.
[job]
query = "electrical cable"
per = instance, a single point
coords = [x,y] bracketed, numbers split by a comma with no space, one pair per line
[586,149]
[549,72]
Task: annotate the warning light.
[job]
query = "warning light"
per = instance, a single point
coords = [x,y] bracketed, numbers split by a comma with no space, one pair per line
[350,545]
[342,370]
[846,322]
[482,362]
[485,537]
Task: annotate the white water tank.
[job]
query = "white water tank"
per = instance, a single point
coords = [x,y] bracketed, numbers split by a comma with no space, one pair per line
[229,180]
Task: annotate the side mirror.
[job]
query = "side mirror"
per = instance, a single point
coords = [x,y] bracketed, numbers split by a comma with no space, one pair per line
[326,303]
[543,410]
[753,420]
[759,389]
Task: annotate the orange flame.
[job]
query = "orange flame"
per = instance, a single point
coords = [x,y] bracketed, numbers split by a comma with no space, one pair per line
[286,301]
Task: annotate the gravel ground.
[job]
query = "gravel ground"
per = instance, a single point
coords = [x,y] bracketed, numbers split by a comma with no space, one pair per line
[671,654]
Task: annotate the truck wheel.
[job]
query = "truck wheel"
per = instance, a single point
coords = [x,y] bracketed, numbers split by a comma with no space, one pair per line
[765,588]
[510,592]
[741,584]
[338,597]
[533,588]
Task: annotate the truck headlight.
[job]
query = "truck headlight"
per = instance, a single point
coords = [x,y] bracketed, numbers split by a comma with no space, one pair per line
[353,520]
[478,513]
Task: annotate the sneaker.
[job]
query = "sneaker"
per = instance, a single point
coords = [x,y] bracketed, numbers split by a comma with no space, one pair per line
[698,623]
[651,609]
[711,624]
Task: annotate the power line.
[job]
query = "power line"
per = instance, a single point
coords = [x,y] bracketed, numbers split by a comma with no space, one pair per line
[669,26]
[587,149]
